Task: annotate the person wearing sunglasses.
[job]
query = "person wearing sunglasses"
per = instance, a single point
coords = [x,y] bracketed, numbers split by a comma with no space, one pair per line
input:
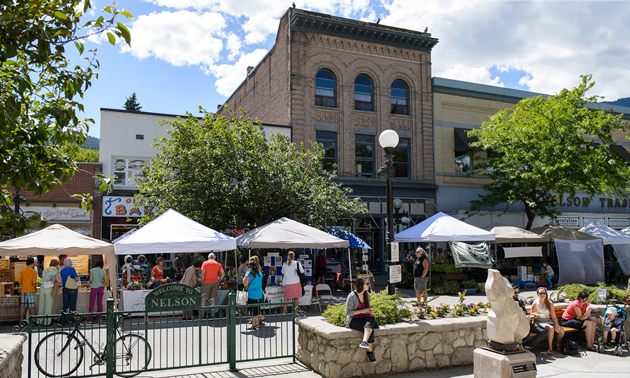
[545,312]
[529,342]
[359,316]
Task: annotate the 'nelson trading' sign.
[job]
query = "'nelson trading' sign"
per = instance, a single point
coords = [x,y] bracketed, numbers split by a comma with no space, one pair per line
[172,297]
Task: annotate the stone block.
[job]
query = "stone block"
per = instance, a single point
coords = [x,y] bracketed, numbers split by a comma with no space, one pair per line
[411,349]
[345,357]
[462,356]
[352,370]
[449,337]
[438,349]
[330,353]
[470,337]
[442,360]
[379,350]
[399,356]
[488,364]
[430,359]
[430,341]
[314,359]
[383,367]
[420,354]
[459,342]
[417,364]
[447,349]
[333,370]
[359,356]
[368,368]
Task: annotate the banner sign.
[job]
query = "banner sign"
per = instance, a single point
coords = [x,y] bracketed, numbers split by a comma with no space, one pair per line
[471,255]
[60,213]
[117,206]
[172,297]
[395,273]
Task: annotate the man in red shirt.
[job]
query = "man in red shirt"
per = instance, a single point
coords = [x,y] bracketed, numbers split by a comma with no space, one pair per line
[213,274]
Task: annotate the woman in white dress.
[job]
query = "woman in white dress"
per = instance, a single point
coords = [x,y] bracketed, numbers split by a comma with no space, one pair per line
[543,308]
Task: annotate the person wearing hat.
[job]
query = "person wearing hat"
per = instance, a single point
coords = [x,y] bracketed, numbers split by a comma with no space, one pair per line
[213,274]
[612,323]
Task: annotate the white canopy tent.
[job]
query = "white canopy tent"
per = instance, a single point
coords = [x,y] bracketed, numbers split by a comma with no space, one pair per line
[172,232]
[510,234]
[619,241]
[59,240]
[443,228]
[285,233]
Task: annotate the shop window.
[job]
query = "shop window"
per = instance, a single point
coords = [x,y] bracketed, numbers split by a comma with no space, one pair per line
[402,158]
[128,171]
[364,155]
[326,88]
[363,93]
[328,140]
[463,151]
[400,97]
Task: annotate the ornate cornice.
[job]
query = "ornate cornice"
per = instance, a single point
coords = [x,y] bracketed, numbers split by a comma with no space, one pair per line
[360,31]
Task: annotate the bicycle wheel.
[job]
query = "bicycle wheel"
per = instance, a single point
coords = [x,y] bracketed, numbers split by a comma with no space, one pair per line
[58,354]
[133,354]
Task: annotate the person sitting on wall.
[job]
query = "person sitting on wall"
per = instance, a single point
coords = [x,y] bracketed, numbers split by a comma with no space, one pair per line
[529,342]
[578,315]
[359,316]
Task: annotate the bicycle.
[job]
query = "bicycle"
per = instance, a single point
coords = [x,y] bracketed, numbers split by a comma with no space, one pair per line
[61,353]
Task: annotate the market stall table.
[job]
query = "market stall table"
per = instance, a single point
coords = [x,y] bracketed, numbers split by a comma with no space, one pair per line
[83,302]
[275,294]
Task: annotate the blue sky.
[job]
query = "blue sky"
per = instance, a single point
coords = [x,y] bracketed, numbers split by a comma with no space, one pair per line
[190,53]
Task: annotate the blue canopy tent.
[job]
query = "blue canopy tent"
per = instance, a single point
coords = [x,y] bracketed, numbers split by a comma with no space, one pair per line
[355,241]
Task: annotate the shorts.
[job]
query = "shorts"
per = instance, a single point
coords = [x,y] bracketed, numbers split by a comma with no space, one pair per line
[210,289]
[420,284]
[320,271]
[573,323]
[255,310]
[28,300]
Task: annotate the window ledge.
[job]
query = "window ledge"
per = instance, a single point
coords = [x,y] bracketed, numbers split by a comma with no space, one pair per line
[326,107]
[401,115]
[460,175]
[364,111]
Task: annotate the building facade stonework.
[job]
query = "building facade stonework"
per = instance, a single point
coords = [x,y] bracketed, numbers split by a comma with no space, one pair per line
[361,62]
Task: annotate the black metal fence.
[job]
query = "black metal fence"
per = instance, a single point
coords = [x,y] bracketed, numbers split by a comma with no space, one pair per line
[126,343]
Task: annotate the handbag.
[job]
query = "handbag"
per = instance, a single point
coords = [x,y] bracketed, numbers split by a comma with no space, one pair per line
[241,297]
[302,278]
[71,283]
[47,284]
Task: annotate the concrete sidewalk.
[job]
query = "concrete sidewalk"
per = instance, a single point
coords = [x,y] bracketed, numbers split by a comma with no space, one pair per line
[587,364]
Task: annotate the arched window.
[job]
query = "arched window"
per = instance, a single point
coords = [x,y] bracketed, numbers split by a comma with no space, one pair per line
[400,97]
[363,93]
[325,88]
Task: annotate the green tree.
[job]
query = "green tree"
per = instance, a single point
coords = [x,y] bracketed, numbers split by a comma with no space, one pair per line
[226,173]
[132,103]
[543,148]
[40,93]
[79,154]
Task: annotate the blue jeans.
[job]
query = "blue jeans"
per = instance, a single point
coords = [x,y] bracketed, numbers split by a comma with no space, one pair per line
[549,280]
[69,303]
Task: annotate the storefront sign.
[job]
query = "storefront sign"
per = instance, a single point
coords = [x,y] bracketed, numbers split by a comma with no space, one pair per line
[395,273]
[80,263]
[588,220]
[569,221]
[115,206]
[618,222]
[60,213]
[172,297]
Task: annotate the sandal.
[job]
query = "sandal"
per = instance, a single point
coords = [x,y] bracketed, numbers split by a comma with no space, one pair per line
[550,352]
[592,348]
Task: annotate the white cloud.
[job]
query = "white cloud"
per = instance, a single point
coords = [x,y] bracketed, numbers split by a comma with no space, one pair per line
[554,42]
[179,38]
[229,76]
[233,44]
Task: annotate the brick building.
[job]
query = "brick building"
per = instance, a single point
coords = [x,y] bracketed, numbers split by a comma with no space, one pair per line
[342,82]
[59,207]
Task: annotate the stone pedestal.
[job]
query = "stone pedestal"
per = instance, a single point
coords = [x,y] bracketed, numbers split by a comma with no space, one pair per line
[495,365]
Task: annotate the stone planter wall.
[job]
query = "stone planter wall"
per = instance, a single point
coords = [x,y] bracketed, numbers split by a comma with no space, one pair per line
[11,355]
[334,351]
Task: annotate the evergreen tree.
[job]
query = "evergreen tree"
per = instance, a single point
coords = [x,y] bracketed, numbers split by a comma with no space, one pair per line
[132,103]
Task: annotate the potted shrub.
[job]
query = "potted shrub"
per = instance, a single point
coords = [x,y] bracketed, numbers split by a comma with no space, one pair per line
[470,286]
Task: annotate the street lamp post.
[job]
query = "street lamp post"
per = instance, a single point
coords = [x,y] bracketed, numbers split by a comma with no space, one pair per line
[389,140]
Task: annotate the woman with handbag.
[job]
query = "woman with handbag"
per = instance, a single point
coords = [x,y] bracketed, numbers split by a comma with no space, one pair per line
[97,289]
[70,282]
[253,285]
[291,281]
[49,279]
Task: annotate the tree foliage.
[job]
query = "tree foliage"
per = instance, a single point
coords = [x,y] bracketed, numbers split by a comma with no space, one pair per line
[132,103]
[79,154]
[40,93]
[228,173]
[543,148]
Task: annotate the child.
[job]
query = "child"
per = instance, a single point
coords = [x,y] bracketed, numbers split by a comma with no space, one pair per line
[27,279]
[550,273]
[613,324]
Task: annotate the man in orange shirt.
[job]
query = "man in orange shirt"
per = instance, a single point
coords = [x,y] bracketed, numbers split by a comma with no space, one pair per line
[213,274]
[27,280]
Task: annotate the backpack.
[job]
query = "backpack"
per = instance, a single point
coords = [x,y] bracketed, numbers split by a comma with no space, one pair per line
[570,347]
[265,280]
